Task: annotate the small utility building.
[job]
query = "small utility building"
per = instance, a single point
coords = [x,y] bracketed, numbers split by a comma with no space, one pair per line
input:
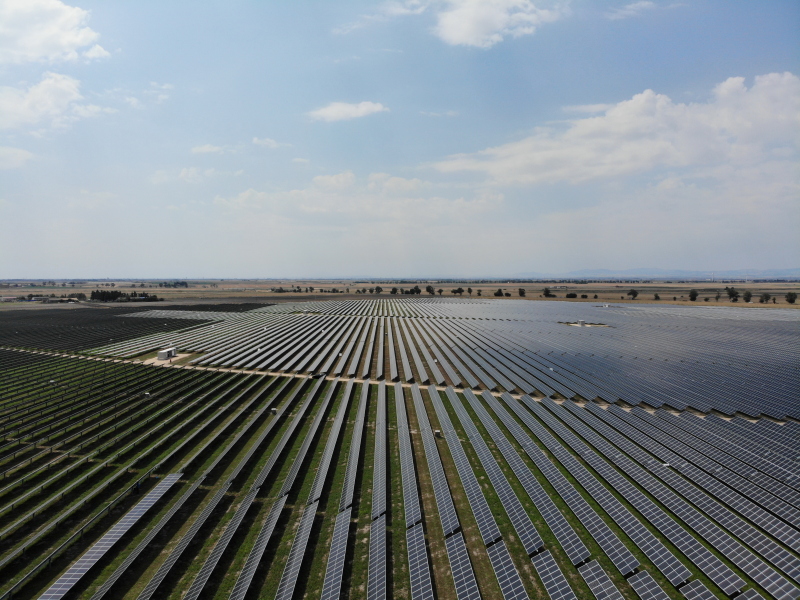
[167,353]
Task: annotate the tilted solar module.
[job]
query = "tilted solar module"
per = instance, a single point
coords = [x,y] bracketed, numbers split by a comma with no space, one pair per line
[477,501]
[408,471]
[379,468]
[552,578]
[419,570]
[254,558]
[507,575]
[599,582]
[696,590]
[461,568]
[72,575]
[332,584]
[517,514]
[646,587]
[376,573]
[292,568]
[441,491]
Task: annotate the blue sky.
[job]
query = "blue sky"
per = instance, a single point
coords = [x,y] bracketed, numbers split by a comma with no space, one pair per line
[408,138]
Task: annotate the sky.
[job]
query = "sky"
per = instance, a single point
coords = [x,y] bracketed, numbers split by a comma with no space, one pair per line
[411,138]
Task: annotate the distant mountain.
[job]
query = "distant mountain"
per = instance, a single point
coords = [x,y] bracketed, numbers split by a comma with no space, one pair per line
[666,274]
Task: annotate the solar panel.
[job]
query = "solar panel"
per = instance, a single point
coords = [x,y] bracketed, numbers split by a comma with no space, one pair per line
[599,582]
[295,560]
[477,501]
[419,570]
[254,558]
[525,529]
[558,524]
[696,590]
[72,575]
[376,574]
[750,594]
[330,446]
[332,585]
[441,491]
[379,468]
[507,575]
[408,471]
[355,450]
[552,578]
[461,568]
[646,587]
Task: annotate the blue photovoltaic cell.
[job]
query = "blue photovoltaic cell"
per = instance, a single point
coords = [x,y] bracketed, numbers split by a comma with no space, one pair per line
[96,552]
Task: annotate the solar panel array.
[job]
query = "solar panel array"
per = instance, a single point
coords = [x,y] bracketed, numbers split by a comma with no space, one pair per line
[705,358]
[65,583]
[627,500]
[601,585]
[646,587]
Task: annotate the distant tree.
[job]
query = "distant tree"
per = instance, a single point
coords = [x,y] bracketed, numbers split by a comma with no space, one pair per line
[733,294]
[693,295]
[454,291]
[674,298]
[469,291]
[584,296]
[311,290]
[521,292]
[430,290]
[572,295]
[460,291]
[378,289]
[479,292]
[439,291]
[656,297]
[394,290]
[595,296]
[633,293]
[507,295]
[546,293]
[747,296]
[716,296]
[499,293]
[791,297]
[416,290]
[764,298]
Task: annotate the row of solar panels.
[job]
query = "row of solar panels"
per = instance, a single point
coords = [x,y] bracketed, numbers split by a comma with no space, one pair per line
[606,435]
[718,364]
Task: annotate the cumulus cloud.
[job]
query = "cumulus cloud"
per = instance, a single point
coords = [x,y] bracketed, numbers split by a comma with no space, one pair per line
[55,98]
[266,142]
[13,158]
[484,23]
[735,128]
[377,198]
[45,30]
[208,149]
[478,23]
[630,10]
[342,111]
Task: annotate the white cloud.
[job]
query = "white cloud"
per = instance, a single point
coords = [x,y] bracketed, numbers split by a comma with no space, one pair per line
[378,198]
[447,113]
[630,10]
[302,161]
[50,99]
[13,158]
[736,128]
[266,143]
[160,91]
[96,51]
[342,111]
[484,23]
[208,149]
[478,23]
[45,30]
